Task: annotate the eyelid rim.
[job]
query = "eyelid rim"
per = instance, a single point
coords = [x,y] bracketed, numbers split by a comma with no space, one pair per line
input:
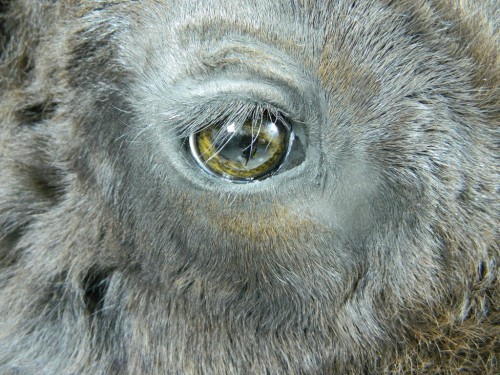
[205,168]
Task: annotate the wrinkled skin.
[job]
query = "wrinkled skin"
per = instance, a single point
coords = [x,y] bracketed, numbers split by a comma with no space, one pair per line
[377,253]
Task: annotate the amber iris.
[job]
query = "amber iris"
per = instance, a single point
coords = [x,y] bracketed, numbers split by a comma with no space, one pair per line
[247,152]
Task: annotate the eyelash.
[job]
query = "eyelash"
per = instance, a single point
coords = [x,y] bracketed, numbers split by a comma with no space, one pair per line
[219,112]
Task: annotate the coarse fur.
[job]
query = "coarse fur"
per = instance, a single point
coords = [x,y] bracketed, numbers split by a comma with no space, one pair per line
[378,254]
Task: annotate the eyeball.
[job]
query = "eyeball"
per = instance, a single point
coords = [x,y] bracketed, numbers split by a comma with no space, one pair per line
[247,152]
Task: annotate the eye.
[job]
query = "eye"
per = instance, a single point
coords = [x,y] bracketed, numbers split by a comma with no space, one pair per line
[242,153]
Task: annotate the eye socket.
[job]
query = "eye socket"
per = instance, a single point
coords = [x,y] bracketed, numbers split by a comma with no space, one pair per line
[243,153]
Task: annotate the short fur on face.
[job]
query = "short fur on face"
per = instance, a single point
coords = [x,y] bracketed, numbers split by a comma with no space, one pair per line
[376,254]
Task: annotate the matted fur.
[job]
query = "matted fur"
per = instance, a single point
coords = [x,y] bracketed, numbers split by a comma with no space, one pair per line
[377,255]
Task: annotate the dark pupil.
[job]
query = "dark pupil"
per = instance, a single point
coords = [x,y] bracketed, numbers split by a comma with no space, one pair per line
[243,148]
[249,151]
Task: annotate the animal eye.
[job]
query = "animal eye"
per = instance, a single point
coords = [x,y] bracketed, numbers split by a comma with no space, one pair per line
[242,153]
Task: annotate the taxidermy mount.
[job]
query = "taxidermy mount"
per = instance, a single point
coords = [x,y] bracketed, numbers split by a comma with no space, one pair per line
[249,187]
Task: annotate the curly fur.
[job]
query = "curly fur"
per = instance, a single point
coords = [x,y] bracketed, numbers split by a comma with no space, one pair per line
[377,255]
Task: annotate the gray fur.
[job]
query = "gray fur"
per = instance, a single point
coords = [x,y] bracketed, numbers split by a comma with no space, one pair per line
[377,255]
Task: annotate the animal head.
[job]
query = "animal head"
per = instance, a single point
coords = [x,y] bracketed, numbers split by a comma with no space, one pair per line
[249,187]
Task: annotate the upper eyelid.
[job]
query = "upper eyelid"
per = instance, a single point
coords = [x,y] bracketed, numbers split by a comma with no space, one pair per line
[204,105]
[192,103]
[189,120]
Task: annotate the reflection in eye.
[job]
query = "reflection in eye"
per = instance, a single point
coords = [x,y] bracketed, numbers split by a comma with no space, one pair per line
[253,150]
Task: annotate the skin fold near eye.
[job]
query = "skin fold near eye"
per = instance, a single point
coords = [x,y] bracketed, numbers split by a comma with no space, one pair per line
[242,153]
